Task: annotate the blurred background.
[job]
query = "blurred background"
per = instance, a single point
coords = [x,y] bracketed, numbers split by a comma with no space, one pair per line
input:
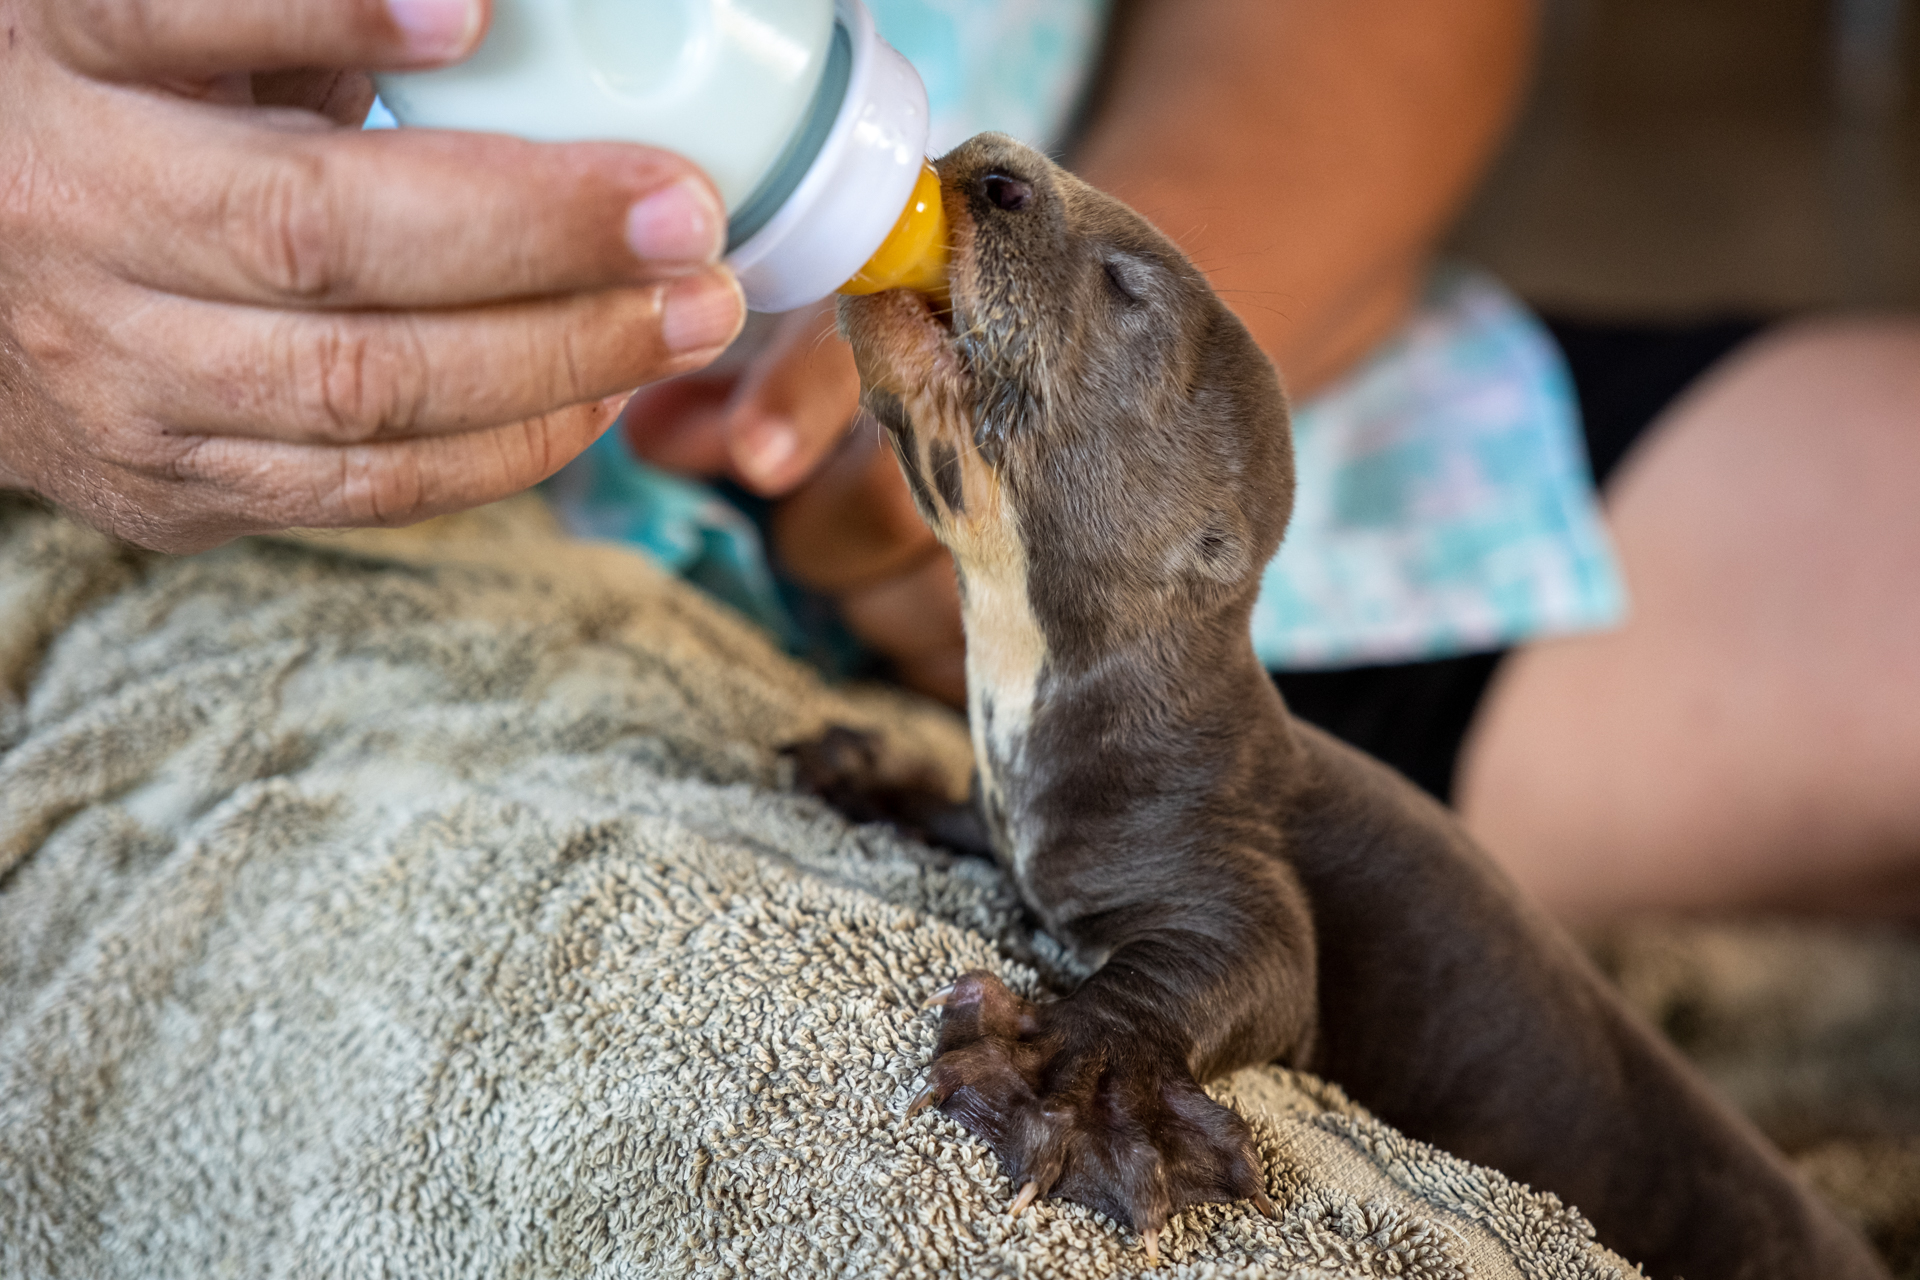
[1691,159]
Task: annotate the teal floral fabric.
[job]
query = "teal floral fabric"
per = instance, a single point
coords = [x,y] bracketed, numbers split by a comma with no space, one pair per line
[1017,67]
[1444,504]
[683,525]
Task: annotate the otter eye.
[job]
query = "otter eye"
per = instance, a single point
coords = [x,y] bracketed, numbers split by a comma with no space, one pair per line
[1011,194]
[1123,288]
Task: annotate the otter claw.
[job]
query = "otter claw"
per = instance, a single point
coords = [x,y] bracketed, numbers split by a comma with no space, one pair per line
[1152,1240]
[924,1099]
[1028,1194]
[1265,1205]
[939,998]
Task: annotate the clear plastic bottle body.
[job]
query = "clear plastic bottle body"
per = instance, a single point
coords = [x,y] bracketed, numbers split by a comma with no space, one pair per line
[812,128]
[725,83]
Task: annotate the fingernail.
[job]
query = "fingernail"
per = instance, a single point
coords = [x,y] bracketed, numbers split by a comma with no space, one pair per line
[765,449]
[702,313]
[678,223]
[436,28]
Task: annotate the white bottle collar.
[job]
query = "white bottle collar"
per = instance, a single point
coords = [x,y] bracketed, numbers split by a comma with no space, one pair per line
[854,191]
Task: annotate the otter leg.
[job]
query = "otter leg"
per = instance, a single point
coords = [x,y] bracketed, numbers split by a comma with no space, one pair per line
[1455,1011]
[1086,1110]
[1096,1098]
[846,769]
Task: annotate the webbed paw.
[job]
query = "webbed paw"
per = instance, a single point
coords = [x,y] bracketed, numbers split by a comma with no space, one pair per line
[1086,1109]
[847,769]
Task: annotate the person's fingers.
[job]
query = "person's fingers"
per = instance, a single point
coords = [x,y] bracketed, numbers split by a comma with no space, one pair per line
[781,405]
[318,217]
[681,424]
[134,39]
[351,378]
[238,486]
[914,619]
[853,532]
[343,97]
[206,490]
[853,523]
[794,403]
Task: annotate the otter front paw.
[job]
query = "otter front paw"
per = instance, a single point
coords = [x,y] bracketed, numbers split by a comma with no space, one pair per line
[1084,1108]
[847,770]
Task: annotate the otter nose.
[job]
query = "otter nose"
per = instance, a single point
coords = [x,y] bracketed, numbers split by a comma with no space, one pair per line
[1009,193]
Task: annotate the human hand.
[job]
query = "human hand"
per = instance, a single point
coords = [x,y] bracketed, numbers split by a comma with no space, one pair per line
[224,309]
[784,421]
[767,414]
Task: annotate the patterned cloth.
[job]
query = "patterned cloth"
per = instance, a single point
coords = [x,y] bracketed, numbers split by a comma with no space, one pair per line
[684,527]
[1018,67]
[1445,504]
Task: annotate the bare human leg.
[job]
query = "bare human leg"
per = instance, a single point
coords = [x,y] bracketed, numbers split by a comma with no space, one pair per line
[1751,737]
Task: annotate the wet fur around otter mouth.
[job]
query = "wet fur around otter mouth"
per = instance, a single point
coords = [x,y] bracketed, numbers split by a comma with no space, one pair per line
[1105,451]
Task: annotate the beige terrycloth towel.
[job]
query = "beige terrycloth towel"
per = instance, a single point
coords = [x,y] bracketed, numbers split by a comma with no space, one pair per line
[1813,1029]
[427,904]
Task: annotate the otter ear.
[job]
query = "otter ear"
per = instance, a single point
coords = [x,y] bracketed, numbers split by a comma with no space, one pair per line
[1217,549]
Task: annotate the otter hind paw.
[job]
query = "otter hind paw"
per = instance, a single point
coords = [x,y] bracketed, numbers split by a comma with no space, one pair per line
[1085,1109]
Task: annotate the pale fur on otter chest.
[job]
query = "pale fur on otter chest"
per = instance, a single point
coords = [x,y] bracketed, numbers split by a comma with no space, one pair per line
[1006,654]
[964,503]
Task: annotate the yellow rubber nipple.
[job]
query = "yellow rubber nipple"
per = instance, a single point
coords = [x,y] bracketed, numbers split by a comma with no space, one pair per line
[914,254]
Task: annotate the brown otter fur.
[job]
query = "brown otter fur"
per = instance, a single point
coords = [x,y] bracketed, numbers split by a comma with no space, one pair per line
[1105,451]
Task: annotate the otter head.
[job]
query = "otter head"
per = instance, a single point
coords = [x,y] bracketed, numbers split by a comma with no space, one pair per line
[1088,417]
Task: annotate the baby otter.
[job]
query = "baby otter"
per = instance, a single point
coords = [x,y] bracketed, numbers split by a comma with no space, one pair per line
[1104,449]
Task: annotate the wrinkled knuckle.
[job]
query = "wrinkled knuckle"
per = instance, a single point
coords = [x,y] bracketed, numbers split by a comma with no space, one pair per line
[280,221]
[380,491]
[572,382]
[176,459]
[101,35]
[50,338]
[351,387]
[397,497]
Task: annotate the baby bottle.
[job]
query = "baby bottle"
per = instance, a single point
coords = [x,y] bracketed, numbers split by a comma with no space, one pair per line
[811,126]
